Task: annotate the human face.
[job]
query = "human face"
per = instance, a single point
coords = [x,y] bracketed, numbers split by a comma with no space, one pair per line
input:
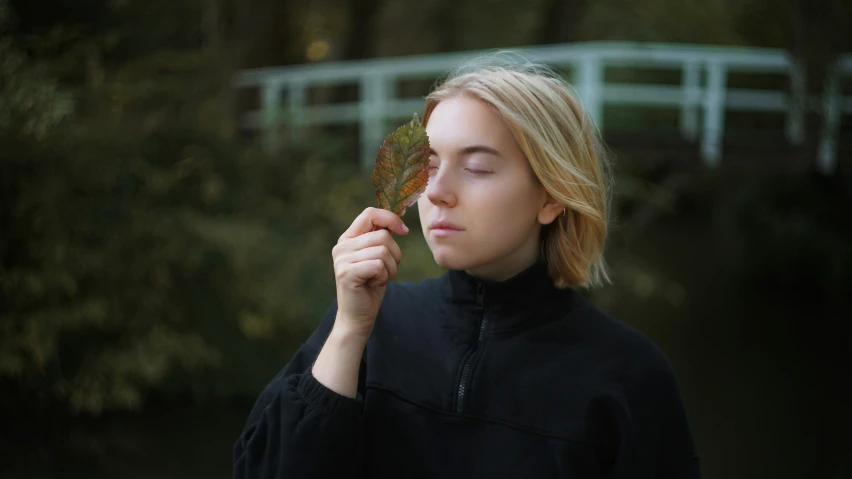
[481,183]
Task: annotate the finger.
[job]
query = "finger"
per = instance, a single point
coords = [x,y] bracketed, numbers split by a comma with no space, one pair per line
[381,279]
[369,273]
[372,219]
[366,240]
[374,252]
[376,238]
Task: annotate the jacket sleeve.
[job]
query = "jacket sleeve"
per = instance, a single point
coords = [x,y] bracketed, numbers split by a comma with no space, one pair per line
[298,428]
[659,442]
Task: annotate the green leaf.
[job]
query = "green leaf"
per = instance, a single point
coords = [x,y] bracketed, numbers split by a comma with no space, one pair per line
[401,171]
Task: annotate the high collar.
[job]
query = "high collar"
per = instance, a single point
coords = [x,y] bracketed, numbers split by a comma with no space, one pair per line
[527,298]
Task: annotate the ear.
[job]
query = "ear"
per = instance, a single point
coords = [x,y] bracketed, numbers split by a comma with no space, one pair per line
[550,210]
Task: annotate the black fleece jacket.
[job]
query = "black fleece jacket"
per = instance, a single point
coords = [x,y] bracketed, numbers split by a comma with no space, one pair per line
[470,378]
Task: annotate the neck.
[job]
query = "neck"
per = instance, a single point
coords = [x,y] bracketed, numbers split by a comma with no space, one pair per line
[508,266]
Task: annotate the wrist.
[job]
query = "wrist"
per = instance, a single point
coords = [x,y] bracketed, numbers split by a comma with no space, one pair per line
[345,334]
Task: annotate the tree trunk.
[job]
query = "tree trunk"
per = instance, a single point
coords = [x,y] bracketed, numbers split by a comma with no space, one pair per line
[359,38]
[560,21]
[256,30]
[444,23]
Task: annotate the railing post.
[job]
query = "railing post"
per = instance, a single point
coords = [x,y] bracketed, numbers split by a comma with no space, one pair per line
[691,79]
[591,88]
[296,94]
[827,155]
[796,103]
[714,114]
[271,108]
[374,93]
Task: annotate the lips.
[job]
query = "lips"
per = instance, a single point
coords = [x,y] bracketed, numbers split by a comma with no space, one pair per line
[444,225]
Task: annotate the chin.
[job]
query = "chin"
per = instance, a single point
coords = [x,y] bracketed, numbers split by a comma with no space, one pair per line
[453,260]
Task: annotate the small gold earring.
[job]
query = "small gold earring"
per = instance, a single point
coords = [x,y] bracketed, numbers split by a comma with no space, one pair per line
[563,211]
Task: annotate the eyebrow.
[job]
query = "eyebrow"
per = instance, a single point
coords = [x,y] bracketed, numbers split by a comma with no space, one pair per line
[470,150]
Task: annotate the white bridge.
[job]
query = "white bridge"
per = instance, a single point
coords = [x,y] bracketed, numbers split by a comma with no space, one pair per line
[702,104]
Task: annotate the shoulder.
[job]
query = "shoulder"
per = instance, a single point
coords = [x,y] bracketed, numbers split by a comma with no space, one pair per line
[652,397]
[639,357]
[631,362]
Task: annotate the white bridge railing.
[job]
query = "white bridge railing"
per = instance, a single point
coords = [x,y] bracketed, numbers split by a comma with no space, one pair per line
[702,104]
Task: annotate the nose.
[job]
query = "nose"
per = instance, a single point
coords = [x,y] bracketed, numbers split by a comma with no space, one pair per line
[440,188]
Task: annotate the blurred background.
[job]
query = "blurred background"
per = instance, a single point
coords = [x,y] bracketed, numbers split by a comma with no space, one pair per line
[174,174]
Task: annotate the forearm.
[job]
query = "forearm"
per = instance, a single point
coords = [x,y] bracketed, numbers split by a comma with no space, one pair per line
[339,361]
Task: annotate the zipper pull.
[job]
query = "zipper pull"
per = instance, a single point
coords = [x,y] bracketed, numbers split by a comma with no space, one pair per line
[480,296]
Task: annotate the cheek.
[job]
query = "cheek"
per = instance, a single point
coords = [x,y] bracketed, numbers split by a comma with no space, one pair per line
[501,216]
[423,206]
[507,202]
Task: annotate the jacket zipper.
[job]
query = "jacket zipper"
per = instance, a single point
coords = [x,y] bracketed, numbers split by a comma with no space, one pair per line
[468,362]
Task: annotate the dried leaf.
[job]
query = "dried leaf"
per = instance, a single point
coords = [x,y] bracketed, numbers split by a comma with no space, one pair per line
[401,171]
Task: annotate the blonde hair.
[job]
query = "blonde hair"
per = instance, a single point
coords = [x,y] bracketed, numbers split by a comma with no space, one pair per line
[563,149]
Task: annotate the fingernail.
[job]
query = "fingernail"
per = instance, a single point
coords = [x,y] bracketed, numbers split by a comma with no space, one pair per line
[404,228]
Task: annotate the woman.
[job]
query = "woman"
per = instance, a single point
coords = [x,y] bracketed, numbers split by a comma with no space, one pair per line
[499,368]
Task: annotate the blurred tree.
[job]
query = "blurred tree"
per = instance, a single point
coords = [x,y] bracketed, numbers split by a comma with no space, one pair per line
[91,271]
[136,242]
[691,21]
[32,102]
